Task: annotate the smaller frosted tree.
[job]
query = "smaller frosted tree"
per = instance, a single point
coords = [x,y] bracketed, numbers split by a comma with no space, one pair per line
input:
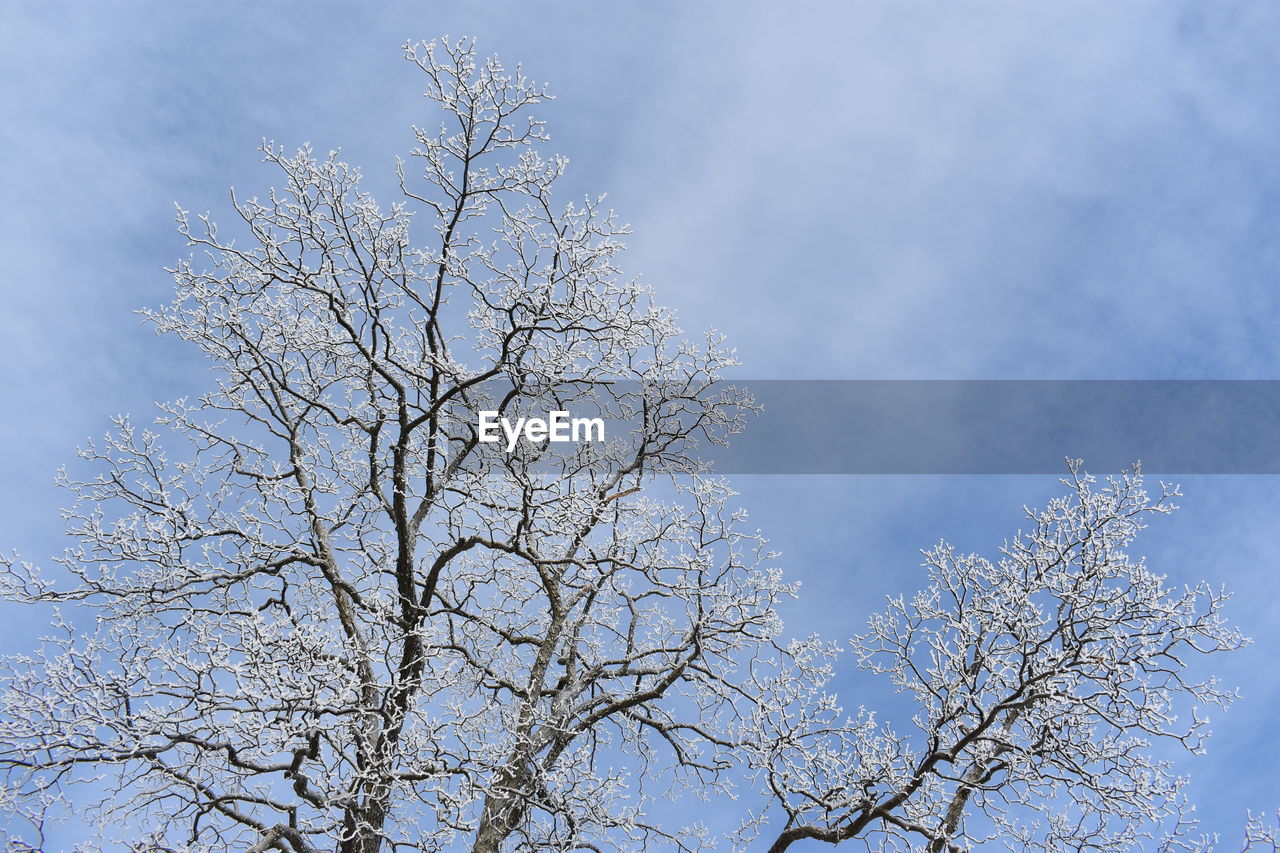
[1044,681]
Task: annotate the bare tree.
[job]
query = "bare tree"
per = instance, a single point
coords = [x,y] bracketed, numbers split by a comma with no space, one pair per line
[1041,682]
[314,610]
[334,618]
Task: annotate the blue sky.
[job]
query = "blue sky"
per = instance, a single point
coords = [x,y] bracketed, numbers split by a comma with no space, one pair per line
[847,190]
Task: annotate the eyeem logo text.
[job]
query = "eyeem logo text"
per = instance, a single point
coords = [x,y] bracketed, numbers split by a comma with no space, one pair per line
[556,426]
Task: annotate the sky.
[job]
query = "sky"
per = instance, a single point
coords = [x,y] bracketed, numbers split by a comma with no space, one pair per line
[857,190]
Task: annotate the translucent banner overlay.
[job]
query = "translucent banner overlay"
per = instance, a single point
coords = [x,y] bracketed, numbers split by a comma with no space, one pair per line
[1005,427]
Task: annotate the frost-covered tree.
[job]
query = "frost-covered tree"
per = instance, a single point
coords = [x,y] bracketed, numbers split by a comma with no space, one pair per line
[1043,682]
[311,610]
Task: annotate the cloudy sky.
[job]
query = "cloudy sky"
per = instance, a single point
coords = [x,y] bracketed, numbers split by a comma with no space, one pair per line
[847,190]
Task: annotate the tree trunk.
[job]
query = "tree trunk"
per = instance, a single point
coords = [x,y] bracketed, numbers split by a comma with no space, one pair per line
[503,809]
